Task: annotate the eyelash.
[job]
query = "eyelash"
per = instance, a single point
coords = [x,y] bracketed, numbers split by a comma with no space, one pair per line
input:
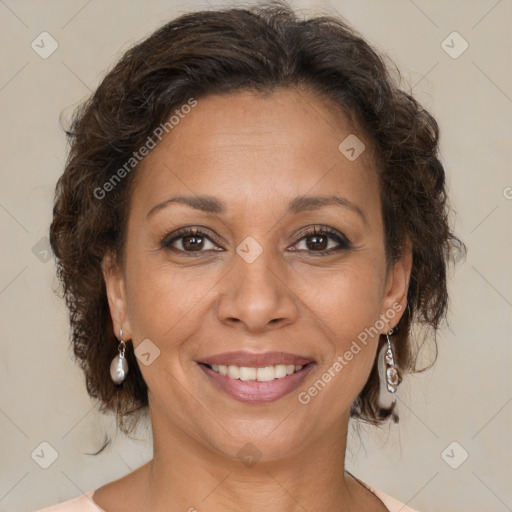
[344,243]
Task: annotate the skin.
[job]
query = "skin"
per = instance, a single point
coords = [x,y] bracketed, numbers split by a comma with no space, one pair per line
[256,153]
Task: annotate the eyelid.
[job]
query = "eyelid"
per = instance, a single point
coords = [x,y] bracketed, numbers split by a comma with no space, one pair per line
[344,243]
[189,231]
[322,230]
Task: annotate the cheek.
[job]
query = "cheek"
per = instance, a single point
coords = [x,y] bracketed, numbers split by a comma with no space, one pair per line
[164,303]
[166,309]
[347,300]
[347,309]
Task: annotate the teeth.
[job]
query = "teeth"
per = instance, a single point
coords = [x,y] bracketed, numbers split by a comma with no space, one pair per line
[280,371]
[263,374]
[246,373]
[234,372]
[266,374]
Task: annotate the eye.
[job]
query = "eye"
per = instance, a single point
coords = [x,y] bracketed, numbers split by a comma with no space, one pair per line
[317,241]
[188,240]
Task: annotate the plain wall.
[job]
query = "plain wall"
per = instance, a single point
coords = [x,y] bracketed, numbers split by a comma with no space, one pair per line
[466,397]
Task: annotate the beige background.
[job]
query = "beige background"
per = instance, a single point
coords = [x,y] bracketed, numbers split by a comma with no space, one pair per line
[466,397]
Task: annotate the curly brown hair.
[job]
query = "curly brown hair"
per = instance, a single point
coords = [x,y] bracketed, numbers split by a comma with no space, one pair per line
[222,51]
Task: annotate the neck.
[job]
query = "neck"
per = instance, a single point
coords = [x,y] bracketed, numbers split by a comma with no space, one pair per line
[186,474]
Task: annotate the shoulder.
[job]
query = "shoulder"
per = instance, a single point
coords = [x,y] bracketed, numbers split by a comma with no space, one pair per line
[83,503]
[392,504]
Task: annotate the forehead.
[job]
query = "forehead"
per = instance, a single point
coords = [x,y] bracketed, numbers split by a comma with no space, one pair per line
[260,149]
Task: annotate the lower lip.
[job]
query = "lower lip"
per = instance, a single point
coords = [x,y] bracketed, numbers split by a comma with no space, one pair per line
[255,392]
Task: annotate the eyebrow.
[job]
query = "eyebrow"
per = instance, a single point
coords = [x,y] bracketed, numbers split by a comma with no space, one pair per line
[300,204]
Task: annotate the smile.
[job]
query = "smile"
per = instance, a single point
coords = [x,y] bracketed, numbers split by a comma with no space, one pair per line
[263,374]
[256,385]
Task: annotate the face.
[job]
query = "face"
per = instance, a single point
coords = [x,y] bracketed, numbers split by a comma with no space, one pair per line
[261,269]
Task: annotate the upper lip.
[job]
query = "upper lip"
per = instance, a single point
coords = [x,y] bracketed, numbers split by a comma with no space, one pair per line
[256,360]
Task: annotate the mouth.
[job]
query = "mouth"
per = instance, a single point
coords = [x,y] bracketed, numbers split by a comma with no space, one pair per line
[259,374]
[256,384]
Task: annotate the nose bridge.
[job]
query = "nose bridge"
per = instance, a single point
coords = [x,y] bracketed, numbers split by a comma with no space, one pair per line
[255,264]
[255,293]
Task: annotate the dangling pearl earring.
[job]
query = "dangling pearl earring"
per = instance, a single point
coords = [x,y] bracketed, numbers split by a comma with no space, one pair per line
[393,378]
[119,365]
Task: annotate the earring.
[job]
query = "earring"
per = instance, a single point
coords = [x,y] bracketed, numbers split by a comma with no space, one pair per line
[393,378]
[119,365]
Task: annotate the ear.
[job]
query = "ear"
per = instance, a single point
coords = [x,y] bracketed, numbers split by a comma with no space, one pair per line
[116,294]
[396,287]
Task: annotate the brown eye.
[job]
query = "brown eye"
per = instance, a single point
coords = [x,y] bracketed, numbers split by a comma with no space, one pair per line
[188,240]
[318,241]
[193,242]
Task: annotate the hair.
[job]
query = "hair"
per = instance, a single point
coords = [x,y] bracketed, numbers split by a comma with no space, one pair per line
[259,48]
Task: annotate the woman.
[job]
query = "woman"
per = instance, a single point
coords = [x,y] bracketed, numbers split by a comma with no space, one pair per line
[251,218]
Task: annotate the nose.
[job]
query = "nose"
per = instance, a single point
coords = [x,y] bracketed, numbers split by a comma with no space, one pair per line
[257,296]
